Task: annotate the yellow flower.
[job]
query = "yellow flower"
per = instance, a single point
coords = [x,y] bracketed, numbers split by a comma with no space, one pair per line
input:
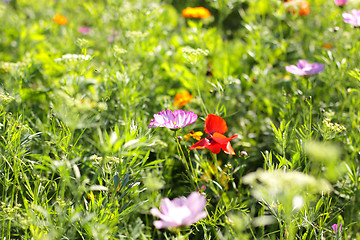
[197,12]
[193,134]
[182,98]
[60,19]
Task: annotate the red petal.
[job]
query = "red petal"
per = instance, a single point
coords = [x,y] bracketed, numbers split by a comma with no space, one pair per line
[214,123]
[207,143]
[222,139]
[202,144]
[227,148]
[214,147]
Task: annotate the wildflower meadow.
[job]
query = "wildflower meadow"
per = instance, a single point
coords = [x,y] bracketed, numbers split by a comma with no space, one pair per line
[169,119]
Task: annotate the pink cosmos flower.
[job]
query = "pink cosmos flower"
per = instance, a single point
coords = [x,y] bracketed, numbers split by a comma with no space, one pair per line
[305,68]
[335,227]
[340,2]
[352,18]
[173,120]
[180,211]
[84,30]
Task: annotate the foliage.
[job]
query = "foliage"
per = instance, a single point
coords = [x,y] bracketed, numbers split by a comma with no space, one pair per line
[78,161]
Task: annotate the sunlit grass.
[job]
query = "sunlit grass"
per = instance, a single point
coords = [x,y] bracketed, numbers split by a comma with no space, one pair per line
[80,82]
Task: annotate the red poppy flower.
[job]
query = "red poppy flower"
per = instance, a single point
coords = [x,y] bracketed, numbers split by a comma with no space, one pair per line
[215,126]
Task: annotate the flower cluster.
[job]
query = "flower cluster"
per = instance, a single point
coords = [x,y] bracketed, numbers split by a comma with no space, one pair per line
[5,97]
[197,12]
[73,58]
[186,211]
[334,127]
[12,66]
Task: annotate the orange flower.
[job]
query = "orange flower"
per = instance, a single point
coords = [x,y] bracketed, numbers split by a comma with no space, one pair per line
[182,98]
[327,45]
[298,6]
[60,19]
[197,12]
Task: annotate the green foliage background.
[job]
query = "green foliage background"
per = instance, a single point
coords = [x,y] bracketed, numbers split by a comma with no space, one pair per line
[78,161]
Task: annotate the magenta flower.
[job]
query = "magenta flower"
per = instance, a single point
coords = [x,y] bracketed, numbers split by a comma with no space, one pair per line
[180,211]
[173,120]
[340,2]
[305,68]
[335,227]
[84,30]
[352,18]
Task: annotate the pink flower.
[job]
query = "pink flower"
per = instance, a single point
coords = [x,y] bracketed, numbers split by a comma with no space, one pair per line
[335,227]
[84,30]
[180,211]
[111,38]
[340,2]
[173,120]
[114,36]
[352,18]
[305,68]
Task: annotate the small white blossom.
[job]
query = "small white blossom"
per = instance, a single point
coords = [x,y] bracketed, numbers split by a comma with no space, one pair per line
[73,58]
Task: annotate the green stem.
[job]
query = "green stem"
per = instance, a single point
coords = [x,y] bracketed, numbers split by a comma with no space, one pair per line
[203,107]
[180,151]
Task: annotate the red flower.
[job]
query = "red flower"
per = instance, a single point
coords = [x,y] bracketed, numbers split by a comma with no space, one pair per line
[215,126]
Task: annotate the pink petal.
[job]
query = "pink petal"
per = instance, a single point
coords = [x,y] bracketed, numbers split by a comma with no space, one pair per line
[294,70]
[196,202]
[302,64]
[155,212]
[163,224]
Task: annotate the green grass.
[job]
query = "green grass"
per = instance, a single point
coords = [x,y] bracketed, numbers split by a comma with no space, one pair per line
[78,161]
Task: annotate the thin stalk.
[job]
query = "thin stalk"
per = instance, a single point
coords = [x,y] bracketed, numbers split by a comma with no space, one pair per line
[203,107]
[181,152]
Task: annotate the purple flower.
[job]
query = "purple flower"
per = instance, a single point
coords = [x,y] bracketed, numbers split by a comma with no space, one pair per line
[173,120]
[6,1]
[352,18]
[180,211]
[305,68]
[84,30]
[340,2]
[335,227]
